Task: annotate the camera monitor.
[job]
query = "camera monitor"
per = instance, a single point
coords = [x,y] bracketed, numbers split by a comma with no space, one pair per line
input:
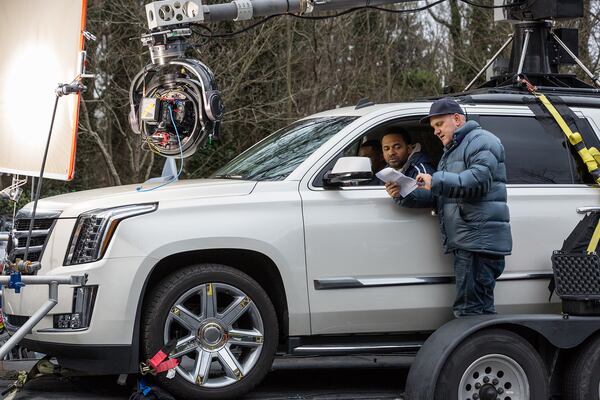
[40,47]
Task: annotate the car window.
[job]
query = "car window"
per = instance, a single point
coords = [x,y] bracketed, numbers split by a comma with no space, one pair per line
[419,133]
[279,154]
[533,155]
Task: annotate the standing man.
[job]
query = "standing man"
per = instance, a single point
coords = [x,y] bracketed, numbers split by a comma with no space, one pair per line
[469,194]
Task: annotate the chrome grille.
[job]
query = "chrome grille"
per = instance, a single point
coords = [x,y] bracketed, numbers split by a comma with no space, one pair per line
[38,224]
[35,241]
[42,226]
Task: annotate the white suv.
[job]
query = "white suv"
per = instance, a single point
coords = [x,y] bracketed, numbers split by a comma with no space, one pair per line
[269,256]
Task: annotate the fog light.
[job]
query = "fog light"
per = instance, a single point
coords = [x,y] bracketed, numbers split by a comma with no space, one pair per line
[67,321]
[83,305]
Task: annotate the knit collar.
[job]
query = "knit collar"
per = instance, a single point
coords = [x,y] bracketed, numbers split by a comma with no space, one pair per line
[416,149]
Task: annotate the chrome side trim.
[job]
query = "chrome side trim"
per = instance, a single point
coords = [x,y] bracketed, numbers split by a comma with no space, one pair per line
[344,349]
[56,330]
[364,282]
[585,210]
[525,276]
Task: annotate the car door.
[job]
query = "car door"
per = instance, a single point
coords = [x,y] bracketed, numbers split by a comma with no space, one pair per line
[372,265]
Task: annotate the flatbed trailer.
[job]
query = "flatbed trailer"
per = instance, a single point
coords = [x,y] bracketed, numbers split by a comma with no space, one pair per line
[509,357]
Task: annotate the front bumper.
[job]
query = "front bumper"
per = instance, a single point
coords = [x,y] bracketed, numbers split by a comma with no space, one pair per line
[95,360]
[120,282]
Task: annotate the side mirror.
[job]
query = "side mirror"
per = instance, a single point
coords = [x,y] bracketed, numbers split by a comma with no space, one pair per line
[349,170]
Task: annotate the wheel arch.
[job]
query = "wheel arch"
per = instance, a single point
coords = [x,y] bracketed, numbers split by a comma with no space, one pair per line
[255,264]
[555,330]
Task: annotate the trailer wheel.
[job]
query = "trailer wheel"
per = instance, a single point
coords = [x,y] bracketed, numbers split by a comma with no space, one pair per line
[493,364]
[225,326]
[582,376]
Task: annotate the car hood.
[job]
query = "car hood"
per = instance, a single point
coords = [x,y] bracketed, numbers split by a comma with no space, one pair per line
[73,204]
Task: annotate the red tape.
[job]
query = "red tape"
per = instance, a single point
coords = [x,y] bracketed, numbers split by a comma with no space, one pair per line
[158,364]
[158,358]
[167,365]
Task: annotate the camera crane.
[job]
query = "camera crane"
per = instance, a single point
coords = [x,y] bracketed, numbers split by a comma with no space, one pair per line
[176,105]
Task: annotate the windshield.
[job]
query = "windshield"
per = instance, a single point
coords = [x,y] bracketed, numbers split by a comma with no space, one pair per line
[279,154]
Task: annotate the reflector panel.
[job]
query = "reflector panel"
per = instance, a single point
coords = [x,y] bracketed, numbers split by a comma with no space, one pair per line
[40,46]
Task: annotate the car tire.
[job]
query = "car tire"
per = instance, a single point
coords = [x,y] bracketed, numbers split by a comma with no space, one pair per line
[227,359]
[493,363]
[582,375]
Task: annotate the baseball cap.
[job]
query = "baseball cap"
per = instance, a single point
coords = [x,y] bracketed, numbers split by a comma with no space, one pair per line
[443,107]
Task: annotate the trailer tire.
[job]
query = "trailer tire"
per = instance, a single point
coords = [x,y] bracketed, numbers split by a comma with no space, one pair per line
[227,327]
[494,363]
[582,376]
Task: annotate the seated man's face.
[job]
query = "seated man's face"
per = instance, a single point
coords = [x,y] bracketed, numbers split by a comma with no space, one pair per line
[377,162]
[395,150]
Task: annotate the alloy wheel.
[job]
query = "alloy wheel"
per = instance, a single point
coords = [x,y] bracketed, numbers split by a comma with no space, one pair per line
[219,332]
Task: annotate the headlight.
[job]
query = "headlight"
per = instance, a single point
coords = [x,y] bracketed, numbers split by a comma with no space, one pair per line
[94,229]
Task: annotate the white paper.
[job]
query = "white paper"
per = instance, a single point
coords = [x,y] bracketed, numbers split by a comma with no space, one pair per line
[407,184]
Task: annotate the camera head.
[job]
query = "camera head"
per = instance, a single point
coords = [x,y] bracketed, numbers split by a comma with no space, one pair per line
[175,102]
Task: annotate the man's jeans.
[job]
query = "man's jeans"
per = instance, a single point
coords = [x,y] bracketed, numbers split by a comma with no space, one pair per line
[476,275]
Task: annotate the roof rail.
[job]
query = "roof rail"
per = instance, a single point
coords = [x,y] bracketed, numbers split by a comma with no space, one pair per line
[364,102]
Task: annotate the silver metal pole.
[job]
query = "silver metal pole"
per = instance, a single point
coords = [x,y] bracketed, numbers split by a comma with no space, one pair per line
[510,38]
[264,8]
[260,8]
[32,321]
[47,280]
[594,79]
[41,312]
[524,52]
[325,5]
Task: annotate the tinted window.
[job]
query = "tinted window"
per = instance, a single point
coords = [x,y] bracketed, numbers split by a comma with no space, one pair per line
[533,155]
[279,154]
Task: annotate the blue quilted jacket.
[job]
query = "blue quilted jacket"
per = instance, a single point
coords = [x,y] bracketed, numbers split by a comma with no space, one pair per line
[469,193]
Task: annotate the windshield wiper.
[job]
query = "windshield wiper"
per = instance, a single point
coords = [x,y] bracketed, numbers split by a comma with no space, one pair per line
[228,176]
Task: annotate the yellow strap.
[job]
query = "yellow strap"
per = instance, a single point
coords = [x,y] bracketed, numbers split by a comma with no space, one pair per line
[595,239]
[591,156]
[595,153]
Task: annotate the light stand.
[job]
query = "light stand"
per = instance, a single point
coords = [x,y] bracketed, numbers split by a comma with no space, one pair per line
[62,90]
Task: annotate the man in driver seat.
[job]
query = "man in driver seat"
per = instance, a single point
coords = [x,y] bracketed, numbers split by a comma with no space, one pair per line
[400,153]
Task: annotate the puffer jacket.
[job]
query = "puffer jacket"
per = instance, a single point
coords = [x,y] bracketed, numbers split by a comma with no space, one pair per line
[469,193]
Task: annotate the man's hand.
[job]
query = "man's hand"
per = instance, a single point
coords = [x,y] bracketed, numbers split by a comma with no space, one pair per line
[393,189]
[424,181]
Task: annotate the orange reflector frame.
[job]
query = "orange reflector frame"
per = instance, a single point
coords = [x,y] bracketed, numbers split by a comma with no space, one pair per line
[41,45]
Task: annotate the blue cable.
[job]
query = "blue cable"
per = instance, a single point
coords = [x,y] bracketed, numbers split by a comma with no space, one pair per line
[139,188]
